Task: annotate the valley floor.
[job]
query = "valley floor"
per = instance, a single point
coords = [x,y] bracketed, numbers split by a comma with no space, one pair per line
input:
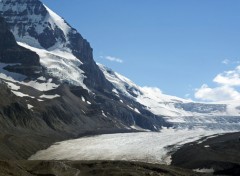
[198,150]
[219,153]
[151,147]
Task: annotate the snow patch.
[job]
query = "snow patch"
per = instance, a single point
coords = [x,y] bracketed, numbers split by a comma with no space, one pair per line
[41,86]
[138,128]
[12,86]
[115,91]
[209,137]
[103,114]
[83,99]
[137,111]
[41,78]
[20,94]
[49,96]
[30,106]
[130,107]
[204,170]
[134,109]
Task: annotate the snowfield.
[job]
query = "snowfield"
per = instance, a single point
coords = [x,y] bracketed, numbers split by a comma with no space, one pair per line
[61,64]
[153,147]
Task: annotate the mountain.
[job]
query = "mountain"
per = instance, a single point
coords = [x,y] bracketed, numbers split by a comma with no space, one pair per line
[169,106]
[54,90]
[181,113]
[51,85]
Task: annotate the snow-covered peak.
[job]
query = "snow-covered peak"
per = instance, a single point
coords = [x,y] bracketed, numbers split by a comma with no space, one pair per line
[61,48]
[35,24]
[56,21]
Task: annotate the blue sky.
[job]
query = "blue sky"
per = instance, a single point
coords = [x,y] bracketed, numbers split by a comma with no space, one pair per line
[177,46]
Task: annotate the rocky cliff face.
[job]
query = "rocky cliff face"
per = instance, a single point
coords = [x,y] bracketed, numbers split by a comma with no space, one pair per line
[7,39]
[28,20]
[10,53]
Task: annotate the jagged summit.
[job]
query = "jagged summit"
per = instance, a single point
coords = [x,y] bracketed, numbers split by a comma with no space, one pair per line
[34,24]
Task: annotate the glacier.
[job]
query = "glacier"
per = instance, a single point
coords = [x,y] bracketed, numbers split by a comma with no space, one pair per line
[152,147]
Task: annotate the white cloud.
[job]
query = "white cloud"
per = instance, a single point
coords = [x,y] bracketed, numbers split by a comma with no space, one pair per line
[225,61]
[230,78]
[220,93]
[112,59]
[152,90]
[228,83]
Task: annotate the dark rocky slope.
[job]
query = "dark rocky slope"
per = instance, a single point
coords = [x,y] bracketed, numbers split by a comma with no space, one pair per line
[220,153]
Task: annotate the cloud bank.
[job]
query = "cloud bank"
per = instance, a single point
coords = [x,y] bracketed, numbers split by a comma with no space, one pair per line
[228,84]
